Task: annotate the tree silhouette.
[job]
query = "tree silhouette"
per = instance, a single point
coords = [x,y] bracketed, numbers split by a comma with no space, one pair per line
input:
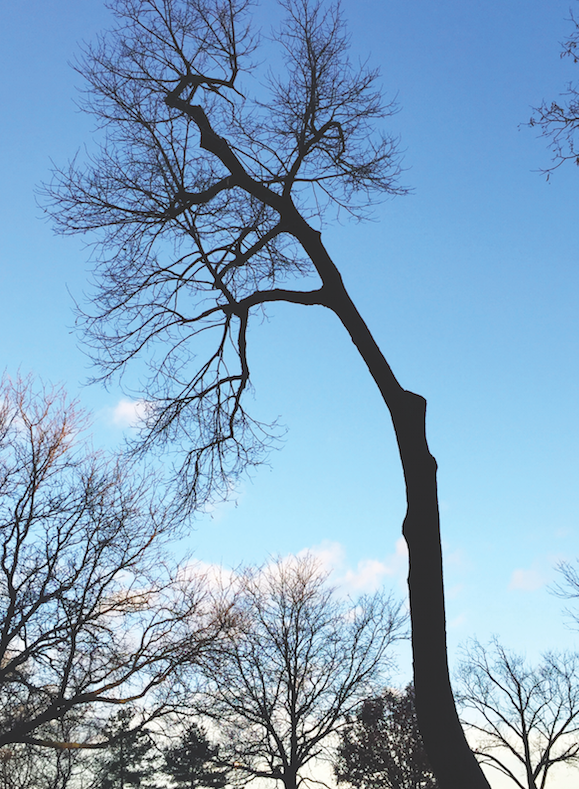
[206,205]
[127,762]
[381,748]
[90,617]
[292,663]
[33,767]
[568,588]
[191,763]
[559,120]
[525,719]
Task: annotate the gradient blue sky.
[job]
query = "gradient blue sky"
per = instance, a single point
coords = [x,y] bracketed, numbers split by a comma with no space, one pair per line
[470,285]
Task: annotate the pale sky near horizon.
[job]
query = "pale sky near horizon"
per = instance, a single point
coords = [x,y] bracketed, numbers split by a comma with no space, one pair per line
[470,285]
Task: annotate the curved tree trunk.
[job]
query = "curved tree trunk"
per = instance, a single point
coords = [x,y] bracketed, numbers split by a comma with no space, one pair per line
[453,762]
[450,756]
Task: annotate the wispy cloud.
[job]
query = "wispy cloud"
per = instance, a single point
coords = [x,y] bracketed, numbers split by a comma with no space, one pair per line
[526,580]
[365,578]
[216,575]
[128,413]
[330,555]
[457,622]
[369,574]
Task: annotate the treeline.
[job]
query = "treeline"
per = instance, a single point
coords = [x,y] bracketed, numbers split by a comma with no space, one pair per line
[106,644]
[121,668]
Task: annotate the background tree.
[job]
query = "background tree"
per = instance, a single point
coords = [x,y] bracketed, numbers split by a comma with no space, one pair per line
[293,663]
[24,765]
[206,205]
[559,121]
[193,762]
[30,766]
[568,588]
[89,616]
[381,746]
[129,759]
[525,720]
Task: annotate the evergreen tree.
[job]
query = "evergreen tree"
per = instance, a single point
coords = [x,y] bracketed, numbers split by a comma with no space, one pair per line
[382,747]
[127,762]
[192,763]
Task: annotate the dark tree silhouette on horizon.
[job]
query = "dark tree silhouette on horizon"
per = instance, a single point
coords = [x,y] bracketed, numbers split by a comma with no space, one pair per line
[194,762]
[293,662]
[381,746]
[206,204]
[525,719]
[129,760]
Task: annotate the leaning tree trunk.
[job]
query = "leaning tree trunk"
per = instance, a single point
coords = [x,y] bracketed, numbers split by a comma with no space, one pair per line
[452,760]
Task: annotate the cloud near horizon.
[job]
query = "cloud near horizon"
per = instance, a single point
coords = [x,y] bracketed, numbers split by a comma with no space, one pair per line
[369,574]
[366,578]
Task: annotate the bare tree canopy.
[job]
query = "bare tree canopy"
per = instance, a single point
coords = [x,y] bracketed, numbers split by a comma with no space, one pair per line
[525,720]
[196,192]
[90,617]
[34,767]
[568,588]
[206,205]
[559,120]
[294,662]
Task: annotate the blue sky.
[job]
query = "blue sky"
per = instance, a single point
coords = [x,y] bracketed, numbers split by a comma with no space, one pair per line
[470,285]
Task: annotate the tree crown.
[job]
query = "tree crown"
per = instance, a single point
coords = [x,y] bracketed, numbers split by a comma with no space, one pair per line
[198,195]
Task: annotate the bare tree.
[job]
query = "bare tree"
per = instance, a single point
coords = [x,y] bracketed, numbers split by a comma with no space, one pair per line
[32,767]
[35,767]
[206,205]
[525,720]
[293,663]
[568,588]
[90,617]
[559,120]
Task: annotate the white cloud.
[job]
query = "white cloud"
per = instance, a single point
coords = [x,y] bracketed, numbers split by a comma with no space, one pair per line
[399,559]
[526,580]
[216,576]
[368,575]
[331,555]
[128,413]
